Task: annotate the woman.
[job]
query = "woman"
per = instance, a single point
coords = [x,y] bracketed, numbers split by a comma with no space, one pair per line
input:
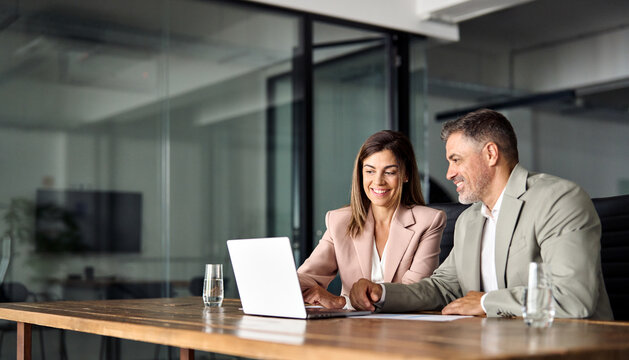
[386,234]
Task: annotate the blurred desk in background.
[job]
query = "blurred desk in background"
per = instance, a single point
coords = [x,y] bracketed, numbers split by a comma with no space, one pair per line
[104,288]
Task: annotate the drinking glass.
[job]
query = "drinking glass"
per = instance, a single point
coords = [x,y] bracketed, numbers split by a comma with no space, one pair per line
[213,285]
[538,309]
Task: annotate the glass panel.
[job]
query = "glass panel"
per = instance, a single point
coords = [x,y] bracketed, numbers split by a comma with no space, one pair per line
[570,136]
[351,101]
[82,120]
[82,206]
[573,142]
[135,139]
[230,72]
[420,123]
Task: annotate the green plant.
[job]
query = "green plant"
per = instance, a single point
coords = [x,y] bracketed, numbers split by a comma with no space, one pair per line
[20,220]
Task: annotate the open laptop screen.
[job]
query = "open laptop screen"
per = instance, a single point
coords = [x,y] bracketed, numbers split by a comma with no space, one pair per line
[266,277]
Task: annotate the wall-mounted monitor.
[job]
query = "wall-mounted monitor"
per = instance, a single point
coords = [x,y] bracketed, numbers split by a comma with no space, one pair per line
[81,221]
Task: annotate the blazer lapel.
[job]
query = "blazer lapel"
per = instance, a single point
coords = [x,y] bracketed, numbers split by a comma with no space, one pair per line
[471,240]
[508,220]
[399,238]
[363,244]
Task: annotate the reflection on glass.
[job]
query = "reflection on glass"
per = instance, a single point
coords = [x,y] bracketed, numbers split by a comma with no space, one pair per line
[175,102]
[81,221]
[77,87]
[229,150]
[420,124]
[350,103]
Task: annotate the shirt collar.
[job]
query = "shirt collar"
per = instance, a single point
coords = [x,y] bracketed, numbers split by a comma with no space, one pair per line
[484,210]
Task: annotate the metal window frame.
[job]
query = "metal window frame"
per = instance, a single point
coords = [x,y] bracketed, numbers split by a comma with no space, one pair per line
[398,79]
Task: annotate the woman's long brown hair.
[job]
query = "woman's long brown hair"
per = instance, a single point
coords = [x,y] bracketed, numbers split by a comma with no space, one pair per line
[408,193]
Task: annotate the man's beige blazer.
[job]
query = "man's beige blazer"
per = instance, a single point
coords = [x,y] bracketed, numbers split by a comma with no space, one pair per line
[542,218]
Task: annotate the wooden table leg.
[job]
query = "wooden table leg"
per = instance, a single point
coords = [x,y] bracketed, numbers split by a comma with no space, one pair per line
[186,354]
[23,341]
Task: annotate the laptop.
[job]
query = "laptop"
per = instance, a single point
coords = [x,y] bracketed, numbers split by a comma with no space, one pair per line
[267,280]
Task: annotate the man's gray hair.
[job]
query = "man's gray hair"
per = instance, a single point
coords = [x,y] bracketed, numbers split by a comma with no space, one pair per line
[482,126]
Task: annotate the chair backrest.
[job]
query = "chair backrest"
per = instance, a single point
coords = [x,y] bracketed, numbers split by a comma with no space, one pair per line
[452,210]
[13,292]
[614,215]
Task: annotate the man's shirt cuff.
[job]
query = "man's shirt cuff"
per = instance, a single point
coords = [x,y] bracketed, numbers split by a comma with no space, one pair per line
[348,304]
[482,302]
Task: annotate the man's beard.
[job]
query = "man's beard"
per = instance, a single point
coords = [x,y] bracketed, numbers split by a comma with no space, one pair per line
[478,190]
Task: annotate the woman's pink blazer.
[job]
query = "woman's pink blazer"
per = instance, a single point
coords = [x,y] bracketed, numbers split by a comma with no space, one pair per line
[412,251]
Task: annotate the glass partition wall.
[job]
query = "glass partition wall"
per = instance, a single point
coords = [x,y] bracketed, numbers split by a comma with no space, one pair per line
[137,137]
[82,120]
[351,102]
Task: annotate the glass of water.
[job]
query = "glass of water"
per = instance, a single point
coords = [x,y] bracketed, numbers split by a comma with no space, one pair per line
[538,309]
[213,285]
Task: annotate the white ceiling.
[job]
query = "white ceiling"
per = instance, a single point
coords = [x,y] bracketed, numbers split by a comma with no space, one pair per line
[539,46]
[542,22]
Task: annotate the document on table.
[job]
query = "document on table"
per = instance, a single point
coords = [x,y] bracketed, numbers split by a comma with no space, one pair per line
[421,317]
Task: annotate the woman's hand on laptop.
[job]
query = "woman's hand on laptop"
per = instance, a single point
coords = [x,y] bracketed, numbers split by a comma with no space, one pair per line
[365,294]
[317,295]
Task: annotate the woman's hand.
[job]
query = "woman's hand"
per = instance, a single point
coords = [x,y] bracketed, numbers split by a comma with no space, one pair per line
[317,295]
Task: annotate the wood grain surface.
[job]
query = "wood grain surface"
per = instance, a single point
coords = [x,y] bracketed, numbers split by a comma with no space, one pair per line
[187,324]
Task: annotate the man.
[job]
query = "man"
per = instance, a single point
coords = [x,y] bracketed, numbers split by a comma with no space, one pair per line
[517,217]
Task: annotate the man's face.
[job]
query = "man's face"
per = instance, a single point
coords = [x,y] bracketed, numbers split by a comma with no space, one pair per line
[467,169]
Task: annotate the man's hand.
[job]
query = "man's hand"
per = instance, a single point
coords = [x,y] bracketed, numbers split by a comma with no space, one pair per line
[467,305]
[364,294]
[317,295]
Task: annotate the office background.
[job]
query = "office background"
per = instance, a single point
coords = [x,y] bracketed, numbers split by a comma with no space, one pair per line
[181,124]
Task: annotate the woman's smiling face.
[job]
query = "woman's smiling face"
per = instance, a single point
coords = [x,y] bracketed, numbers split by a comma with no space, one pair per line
[381,178]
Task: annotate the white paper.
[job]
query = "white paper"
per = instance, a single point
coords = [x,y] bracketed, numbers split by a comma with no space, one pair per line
[421,317]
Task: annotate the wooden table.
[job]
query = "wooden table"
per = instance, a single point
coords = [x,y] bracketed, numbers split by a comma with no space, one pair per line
[185,323]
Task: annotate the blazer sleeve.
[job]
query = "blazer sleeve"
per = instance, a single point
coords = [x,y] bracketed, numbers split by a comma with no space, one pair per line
[426,258]
[320,267]
[432,293]
[569,240]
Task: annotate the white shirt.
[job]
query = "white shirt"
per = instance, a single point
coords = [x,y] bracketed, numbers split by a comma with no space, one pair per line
[377,269]
[377,263]
[489,280]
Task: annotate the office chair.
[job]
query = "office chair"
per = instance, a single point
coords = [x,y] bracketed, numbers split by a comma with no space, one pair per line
[614,215]
[452,210]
